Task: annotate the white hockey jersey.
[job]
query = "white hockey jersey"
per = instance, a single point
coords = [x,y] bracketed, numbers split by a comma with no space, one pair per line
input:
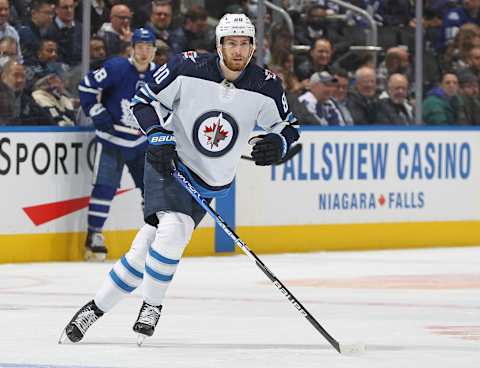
[212,118]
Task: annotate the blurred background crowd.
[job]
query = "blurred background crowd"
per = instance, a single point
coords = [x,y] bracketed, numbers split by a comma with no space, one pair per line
[330,76]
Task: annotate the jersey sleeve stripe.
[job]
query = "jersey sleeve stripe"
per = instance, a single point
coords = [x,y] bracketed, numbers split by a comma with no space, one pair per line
[88,90]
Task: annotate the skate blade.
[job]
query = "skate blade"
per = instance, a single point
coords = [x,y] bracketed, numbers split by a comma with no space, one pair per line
[94,257]
[63,337]
[140,339]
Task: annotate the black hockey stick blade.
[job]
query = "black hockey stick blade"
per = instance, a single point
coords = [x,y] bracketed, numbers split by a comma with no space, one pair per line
[296,148]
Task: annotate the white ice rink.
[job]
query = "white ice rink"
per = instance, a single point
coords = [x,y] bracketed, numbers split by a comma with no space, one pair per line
[412,309]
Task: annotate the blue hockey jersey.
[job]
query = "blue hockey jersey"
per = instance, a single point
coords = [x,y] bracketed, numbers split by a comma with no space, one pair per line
[452,21]
[212,118]
[105,95]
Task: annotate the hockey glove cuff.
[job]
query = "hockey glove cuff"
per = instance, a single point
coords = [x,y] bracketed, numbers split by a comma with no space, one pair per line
[161,150]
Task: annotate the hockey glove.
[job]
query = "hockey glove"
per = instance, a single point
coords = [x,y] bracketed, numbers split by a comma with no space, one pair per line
[268,149]
[101,119]
[161,150]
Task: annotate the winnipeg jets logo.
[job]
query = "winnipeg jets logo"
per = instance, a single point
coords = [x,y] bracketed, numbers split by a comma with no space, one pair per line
[269,75]
[215,133]
[192,55]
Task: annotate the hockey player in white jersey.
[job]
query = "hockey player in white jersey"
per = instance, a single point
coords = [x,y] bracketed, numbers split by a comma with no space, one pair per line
[199,113]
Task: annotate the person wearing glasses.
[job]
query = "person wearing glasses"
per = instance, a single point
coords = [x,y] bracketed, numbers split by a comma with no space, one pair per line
[66,32]
[31,31]
[117,33]
[160,20]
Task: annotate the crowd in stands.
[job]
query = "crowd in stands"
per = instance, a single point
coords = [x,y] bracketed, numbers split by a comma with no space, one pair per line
[332,83]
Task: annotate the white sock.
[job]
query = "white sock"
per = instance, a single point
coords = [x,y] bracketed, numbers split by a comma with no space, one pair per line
[127,273]
[173,234]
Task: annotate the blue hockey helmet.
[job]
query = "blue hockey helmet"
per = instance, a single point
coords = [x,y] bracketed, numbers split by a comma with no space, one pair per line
[143,35]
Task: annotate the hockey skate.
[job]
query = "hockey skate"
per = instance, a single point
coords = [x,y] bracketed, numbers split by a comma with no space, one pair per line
[146,321]
[80,323]
[95,247]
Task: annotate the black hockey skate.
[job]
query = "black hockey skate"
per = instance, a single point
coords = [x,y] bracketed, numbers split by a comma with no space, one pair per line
[146,321]
[81,321]
[95,247]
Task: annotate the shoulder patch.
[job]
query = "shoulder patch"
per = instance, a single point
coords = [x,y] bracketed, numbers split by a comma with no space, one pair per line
[191,55]
[270,75]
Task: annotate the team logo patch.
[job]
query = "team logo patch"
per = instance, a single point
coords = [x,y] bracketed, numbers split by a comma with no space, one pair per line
[192,55]
[270,75]
[215,133]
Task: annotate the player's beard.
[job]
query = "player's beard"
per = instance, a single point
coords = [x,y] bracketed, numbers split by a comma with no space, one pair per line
[235,65]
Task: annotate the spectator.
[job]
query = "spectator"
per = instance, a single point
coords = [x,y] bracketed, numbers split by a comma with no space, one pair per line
[316,26]
[473,61]
[161,53]
[320,58]
[117,33]
[45,63]
[396,12]
[282,60]
[362,100]
[318,100]
[66,33]
[33,30]
[397,60]
[457,52]
[468,99]
[49,93]
[340,94]
[455,18]
[8,30]
[73,76]
[8,50]
[99,14]
[393,107]
[16,104]
[98,52]
[439,106]
[160,20]
[195,27]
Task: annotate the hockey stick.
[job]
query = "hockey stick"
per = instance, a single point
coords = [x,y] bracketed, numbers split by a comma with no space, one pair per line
[296,148]
[349,349]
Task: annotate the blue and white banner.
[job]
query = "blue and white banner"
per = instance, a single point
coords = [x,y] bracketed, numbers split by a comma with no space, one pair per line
[367,176]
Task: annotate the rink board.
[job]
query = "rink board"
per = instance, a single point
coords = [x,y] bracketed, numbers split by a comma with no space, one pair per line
[357,188]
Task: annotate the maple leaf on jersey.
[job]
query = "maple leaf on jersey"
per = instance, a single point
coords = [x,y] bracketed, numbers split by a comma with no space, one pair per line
[215,133]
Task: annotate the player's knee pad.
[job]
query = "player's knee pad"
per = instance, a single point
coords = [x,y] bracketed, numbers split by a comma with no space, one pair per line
[174,231]
[138,251]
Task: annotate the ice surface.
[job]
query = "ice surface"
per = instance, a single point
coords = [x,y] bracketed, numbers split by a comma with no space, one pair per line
[411,308]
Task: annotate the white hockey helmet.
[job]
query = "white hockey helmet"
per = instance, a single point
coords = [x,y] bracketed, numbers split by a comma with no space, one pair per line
[234,25]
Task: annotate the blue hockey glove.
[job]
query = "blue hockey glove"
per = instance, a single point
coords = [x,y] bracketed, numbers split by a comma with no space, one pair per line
[268,149]
[102,119]
[161,150]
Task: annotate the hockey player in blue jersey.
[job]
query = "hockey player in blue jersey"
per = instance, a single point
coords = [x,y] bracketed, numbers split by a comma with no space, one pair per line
[105,95]
[200,113]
